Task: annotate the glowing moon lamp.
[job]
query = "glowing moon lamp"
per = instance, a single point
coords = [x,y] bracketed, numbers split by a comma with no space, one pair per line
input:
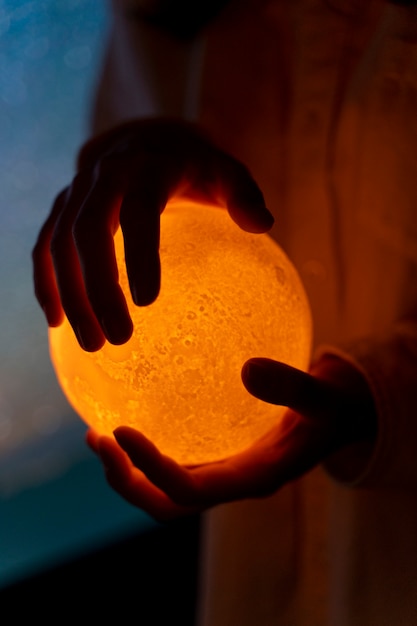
[226,296]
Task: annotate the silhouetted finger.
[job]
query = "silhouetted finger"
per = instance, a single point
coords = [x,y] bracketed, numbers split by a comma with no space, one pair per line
[69,278]
[243,197]
[94,229]
[281,384]
[242,476]
[133,486]
[142,205]
[46,289]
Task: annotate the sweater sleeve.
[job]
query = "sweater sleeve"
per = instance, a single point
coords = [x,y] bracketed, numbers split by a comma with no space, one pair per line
[389,364]
[147,71]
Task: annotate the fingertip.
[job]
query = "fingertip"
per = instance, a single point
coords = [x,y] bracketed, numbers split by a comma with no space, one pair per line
[267,220]
[105,443]
[264,378]
[282,384]
[117,328]
[92,439]
[145,293]
[142,451]
[122,432]
[89,334]
[141,234]
[90,344]
[54,314]
[144,274]
[132,441]
[108,452]
[243,197]
[47,296]
[256,219]
[256,367]
[125,434]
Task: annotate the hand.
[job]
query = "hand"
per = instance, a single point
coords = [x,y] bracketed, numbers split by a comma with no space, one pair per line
[126,177]
[329,408]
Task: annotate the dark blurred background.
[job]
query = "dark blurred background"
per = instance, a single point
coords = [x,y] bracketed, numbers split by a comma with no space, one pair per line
[65,538]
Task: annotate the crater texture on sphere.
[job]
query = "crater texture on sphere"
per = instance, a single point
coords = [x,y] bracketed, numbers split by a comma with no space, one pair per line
[226,296]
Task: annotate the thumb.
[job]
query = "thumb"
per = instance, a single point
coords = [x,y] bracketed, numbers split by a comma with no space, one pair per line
[282,384]
[244,199]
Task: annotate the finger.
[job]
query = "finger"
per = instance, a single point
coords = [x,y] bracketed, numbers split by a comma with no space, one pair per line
[290,449]
[214,174]
[200,487]
[243,197]
[94,229]
[155,182]
[281,384]
[46,289]
[133,486]
[161,470]
[92,439]
[208,173]
[141,241]
[67,269]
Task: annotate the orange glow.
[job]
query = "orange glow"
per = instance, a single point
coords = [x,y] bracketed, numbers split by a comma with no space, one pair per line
[226,296]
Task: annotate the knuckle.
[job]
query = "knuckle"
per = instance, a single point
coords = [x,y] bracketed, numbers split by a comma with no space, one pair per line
[81,230]
[60,199]
[109,167]
[60,239]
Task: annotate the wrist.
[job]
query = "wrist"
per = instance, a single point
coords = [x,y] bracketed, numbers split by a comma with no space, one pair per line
[357,415]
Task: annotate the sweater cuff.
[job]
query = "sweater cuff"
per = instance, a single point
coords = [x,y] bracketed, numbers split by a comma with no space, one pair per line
[379,464]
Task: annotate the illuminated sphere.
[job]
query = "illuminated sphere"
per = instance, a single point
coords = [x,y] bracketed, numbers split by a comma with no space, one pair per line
[226,296]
